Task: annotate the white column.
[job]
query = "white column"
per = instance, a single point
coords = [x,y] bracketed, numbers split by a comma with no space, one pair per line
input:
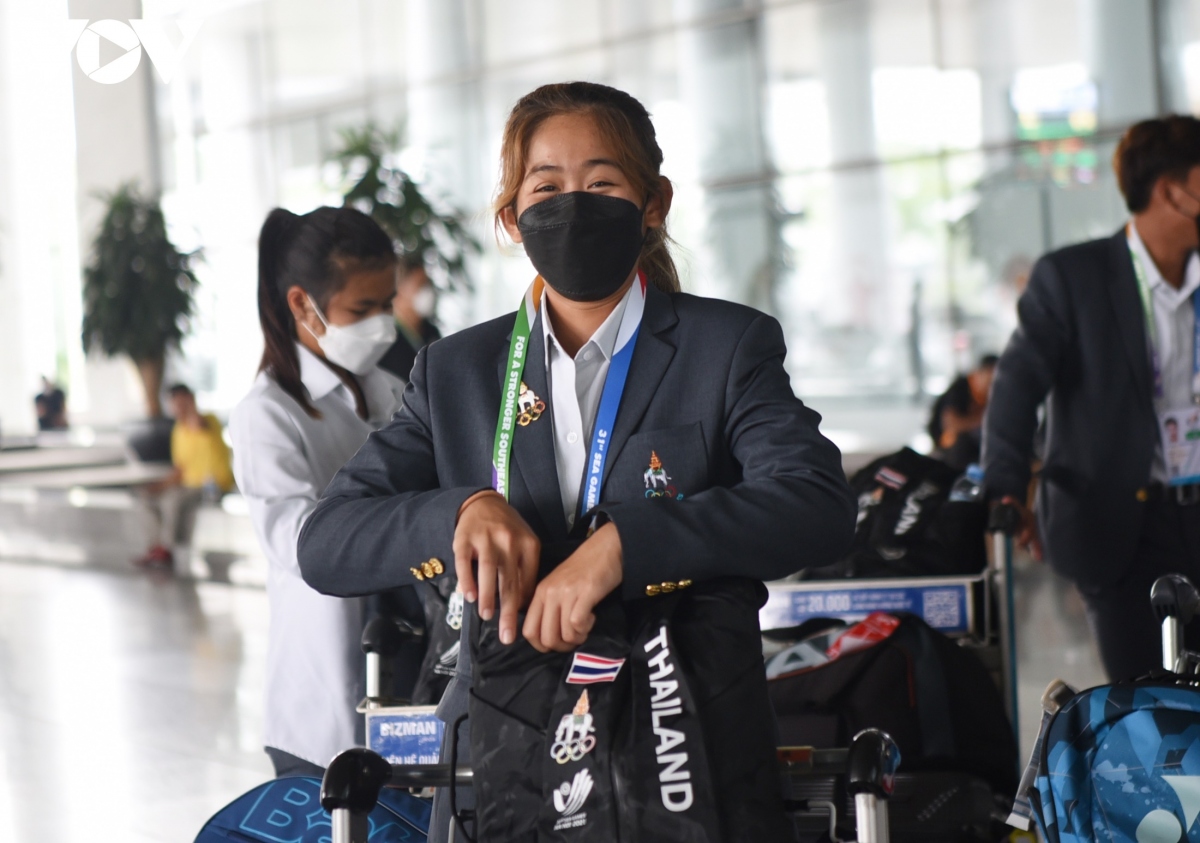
[860,245]
[444,114]
[39,281]
[1122,57]
[994,45]
[721,83]
[115,143]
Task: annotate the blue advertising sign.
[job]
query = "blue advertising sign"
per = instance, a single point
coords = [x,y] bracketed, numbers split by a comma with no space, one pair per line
[405,735]
[944,605]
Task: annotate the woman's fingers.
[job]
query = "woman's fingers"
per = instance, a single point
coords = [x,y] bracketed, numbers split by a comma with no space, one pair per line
[464,555]
[530,556]
[550,634]
[487,580]
[578,623]
[533,623]
[510,599]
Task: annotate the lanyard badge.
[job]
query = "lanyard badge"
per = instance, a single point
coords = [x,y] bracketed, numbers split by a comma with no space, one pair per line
[610,399]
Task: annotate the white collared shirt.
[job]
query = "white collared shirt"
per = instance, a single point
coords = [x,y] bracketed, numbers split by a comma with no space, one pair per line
[283,459]
[575,389]
[1175,327]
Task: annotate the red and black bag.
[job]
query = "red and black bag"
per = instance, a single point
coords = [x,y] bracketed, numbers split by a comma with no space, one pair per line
[935,698]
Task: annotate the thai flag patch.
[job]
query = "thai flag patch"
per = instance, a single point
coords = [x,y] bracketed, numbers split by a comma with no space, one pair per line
[891,478]
[586,669]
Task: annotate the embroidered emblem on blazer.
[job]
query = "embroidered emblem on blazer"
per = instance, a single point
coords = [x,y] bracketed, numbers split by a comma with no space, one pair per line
[658,482]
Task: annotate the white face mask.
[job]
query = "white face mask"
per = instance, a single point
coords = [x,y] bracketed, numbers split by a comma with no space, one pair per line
[358,346]
[424,301]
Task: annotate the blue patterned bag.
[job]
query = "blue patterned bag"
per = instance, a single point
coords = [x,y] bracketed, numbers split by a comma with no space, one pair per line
[1121,764]
[289,810]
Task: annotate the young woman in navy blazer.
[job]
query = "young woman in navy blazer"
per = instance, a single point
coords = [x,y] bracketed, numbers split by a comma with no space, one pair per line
[713,471]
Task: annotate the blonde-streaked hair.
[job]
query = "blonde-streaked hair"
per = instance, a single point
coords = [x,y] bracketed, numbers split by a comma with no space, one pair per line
[624,124]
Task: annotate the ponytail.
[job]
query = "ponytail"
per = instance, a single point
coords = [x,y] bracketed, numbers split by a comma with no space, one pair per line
[656,260]
[314,252]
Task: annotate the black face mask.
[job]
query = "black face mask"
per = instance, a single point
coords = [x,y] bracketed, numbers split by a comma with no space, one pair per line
[583,244]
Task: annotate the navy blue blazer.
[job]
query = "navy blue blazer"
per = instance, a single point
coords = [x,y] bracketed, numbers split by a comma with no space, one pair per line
[764,494]
[1080,346]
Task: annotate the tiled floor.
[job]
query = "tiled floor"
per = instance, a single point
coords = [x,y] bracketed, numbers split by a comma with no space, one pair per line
[130,703]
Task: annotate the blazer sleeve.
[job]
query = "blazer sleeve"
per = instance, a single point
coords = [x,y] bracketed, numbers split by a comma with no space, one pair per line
[1026,372]
[791,509]
[383,513]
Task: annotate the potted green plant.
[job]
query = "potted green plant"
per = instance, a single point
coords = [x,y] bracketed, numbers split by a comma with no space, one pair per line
[379,188]
[138,289]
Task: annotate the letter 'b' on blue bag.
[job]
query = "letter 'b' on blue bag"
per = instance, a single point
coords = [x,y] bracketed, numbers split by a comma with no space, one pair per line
[289,811]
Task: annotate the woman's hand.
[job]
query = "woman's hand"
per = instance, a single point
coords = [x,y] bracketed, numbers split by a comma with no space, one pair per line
[561,614]
[494,534]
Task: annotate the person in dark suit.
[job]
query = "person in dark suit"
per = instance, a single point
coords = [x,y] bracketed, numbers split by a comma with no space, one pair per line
[1106,338]
[711,475]
[414,308]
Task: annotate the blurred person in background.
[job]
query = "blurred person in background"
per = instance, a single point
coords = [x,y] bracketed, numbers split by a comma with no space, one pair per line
[414,309]
[51,406]
[326,281]
[201,470]
[1107,337]
[956,418]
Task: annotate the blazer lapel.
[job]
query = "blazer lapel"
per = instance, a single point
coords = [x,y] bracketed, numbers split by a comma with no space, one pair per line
[651,357]
[1131,320]
[533,444]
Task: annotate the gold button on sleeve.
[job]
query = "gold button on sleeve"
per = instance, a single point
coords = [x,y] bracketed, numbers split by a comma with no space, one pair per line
[684,583]
[667,587]
[416,572]
[1143,495]
[653,590]
[438,567]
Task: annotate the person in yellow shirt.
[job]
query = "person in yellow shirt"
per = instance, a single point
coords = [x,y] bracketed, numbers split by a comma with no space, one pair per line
[202,469]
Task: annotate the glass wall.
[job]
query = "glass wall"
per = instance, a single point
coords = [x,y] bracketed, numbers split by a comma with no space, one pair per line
[879,174]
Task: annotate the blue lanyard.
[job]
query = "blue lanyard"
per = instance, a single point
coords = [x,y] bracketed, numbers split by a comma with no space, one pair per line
[606,417]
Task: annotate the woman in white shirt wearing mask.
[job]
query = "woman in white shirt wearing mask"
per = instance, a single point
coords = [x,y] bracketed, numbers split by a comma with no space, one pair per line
[326,281]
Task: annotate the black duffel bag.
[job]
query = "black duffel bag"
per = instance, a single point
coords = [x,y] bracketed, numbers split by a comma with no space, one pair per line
[907,525]
[657,728]
[935,698]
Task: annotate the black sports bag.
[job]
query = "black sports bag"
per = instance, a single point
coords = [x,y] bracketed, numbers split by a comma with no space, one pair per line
[907,526]
[657,728]
[935,698]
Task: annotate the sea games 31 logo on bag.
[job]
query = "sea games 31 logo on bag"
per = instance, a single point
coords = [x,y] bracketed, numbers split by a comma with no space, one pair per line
[569,798]
[109,51]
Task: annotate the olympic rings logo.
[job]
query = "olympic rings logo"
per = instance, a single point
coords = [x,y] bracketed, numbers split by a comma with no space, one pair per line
[564,751]
[671,493]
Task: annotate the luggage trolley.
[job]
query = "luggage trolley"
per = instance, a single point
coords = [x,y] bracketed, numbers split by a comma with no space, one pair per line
[403,742]
[354,779]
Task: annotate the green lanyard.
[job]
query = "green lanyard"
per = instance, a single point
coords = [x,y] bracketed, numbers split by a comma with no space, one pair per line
[1147,297]
[518,347]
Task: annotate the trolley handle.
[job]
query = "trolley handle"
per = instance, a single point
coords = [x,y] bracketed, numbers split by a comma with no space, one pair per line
[1175,602]
[349,791]
[382,638]
[871,773]
[1004,518]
